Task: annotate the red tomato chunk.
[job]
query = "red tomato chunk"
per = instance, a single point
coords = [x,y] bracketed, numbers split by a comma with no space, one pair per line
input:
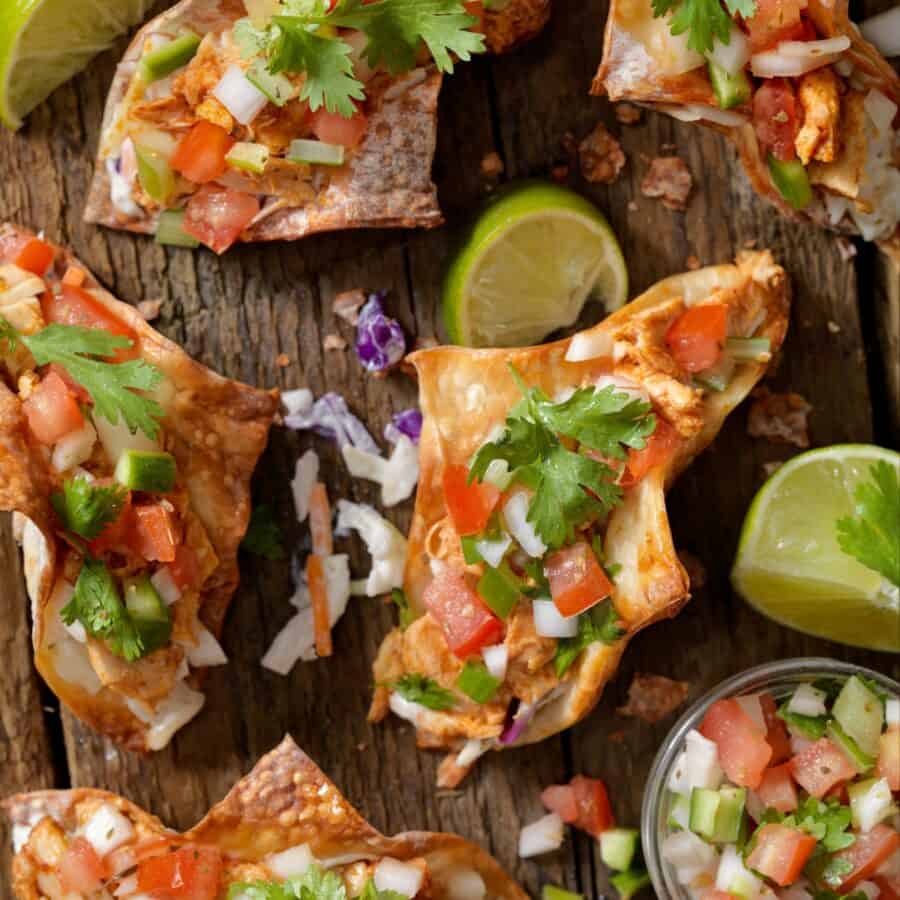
[80,869]
[200,155]
[696,338]
[466,620]
[192,873]
[216,217]
[470,505]
[743,751]
[577,580]
[775,118]
[868,853]
[781,853]
[777,789]
[51,410]
[820,767]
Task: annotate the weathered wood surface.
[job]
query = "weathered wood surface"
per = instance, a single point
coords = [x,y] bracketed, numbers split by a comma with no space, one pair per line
[239,313]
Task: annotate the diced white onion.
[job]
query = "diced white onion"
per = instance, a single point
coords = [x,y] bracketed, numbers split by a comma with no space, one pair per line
[689,855]
[734,877]
[543,836]
[807,701]
[242,99]
[809,49]
[892,711]
[165,586]
[77,630]
[883,31]
[755,806]
[386,545]
[127,886]
[697,112]
[306,474]
[696,766]
[751,706]
[498,474]
[471,751]
[405,709]
[492,552]
[297,402]
[466,884]
[836,207]
[107,829]
[207,651]
[799,58]
[20,835]
[290,863]
[733,56]
[551,623]
[881,110]
[496,660]
[515,512]
[872,806]
[393,875]
[74,448]
[116,439]
[120,192]
[591,344]
[175,711]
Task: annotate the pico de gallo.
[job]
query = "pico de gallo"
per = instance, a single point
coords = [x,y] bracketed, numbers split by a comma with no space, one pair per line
[132,556]
[791,796]
[825,116]
[237,112]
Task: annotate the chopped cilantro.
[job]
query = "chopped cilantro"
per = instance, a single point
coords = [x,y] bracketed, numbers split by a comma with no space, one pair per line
[86,509]
[811,727]
[264,537]
[419,689]
[600,623]
[872,536]
[704,20]
[370,892]
[315,884]
[405,612]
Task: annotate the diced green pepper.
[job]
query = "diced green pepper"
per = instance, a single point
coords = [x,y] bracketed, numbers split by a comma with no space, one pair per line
[170,230]
[155,174]
[730,815]
[477,683]
[248,157]
[470,551]
[704,807]
[316,153]
[148,612]
[499,589]
[860,713]
[792,181]
[850,748]
[630,883]
[278,89]
[618,847]
[679,812]
[146,470]
[731,89]
[166,59]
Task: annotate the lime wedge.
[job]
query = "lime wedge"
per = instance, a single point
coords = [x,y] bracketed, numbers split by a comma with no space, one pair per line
[789,565]
[530,262]
[45,42]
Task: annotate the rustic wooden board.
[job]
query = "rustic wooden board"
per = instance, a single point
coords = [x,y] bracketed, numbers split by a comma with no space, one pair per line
[239,313]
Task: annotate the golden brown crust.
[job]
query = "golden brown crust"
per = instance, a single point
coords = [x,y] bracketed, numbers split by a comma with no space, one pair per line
[216,428]
[285,801]
[465,394]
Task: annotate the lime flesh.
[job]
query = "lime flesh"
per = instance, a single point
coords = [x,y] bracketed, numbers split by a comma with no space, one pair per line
[531,261]
[45,42]
[789,565]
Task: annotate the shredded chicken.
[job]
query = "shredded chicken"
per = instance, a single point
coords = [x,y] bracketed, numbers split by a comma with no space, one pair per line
[820,100]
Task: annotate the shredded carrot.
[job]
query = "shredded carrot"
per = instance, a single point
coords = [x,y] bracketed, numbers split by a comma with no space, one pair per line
[315,576]
[74,276]
[320,521]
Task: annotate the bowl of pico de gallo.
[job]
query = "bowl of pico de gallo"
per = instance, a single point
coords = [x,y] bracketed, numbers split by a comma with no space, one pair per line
[783,783]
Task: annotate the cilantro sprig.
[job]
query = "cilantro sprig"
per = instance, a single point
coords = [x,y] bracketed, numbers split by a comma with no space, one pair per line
[315,884]
[264,536]
[600,623]
[703,20]
[872,536]
[418,688]
[85,509]
[292,42]
[84,353]
[570,488]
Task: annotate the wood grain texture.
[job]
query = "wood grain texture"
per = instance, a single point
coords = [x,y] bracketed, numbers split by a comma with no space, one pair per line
[239,313]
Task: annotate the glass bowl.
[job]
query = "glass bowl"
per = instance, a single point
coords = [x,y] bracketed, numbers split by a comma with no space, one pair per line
[780,678]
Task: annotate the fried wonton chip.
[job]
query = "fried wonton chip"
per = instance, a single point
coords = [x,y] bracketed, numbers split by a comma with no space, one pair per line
[214,428]
[281,818]
[385,181]
[856,183]
[465,396]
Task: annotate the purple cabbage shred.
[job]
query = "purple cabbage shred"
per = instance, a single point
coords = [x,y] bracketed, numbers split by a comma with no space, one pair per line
[380,342]
[408,422]
[331,418]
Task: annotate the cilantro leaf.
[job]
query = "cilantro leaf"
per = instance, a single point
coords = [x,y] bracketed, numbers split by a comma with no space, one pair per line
[873,535]
[370,892]
[264,537]
[86,509]
[811,727]
[97,605]
[835,871]
[111,385]
[8,335]
[319,884]
[704,20]
[260,890]
[600,623]
[405,612]
[420,689]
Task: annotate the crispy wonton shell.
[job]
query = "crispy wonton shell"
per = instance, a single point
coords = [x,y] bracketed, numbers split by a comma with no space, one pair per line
[218,429]
[284,802]
[631,70]
[466,394]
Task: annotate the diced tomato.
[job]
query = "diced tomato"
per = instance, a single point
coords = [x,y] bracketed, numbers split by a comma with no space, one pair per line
[74,276]
[153,534]
[80,869]
[820,767]
[696,338]
[776,21]
[777,789]
[743,751]
[333,128]
[117,534]
[192,873]
[129,855]
[889,757]
[661,446]
[592,799]
[781,853]
[777,735]
[560,798]
[35,256]
[200,155]
[775,118]
[840,793]
[185,568]
[466,620]
[577,580]
[470,505]
[868,853]
[476,8]
[216,217]
[52,411]
[889,887]
[80,394]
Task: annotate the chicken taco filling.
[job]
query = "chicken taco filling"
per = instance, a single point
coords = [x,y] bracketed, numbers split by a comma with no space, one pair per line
[526,563]
[822,104]
[237,111]
[131,554]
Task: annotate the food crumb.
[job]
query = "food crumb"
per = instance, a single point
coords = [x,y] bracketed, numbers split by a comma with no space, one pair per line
[149,309]
[750,243]
[770,468]
[632,206]
[695,569]
[334,342]
[282,360]
[833,327]
[628,113]
[426,343]
[670,180]
[559,173]
[617,737]
[846,248]
[450,773]
[692,263]
[780,418]
[491,165]
[653,697]
[601,156]
[347,305]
